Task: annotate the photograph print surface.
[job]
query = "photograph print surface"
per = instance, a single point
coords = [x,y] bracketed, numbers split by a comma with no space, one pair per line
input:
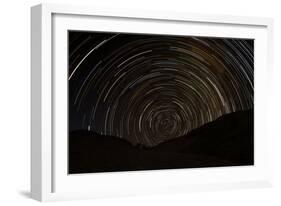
[146,102]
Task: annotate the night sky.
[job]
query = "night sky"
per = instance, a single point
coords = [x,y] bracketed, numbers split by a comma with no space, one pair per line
[149,89]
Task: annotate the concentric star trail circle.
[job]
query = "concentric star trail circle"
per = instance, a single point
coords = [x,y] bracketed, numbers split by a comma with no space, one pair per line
[152,88]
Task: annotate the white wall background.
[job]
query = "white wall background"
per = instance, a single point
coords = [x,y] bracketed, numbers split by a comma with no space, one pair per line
[15,102]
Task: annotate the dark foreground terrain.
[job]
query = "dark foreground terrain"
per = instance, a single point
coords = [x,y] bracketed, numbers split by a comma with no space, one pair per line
[227,141]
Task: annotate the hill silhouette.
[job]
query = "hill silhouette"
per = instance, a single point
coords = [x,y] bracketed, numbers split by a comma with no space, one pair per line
[227,141]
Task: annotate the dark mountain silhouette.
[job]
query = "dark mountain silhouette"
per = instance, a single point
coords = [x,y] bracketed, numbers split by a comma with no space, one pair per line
[227,141]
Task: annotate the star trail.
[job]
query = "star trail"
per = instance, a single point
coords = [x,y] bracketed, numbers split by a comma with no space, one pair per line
[149,89]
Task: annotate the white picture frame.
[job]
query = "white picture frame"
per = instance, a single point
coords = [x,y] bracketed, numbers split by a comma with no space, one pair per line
[49,178]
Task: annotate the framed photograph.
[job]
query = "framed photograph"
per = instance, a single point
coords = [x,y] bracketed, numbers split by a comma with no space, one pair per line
[137,102]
